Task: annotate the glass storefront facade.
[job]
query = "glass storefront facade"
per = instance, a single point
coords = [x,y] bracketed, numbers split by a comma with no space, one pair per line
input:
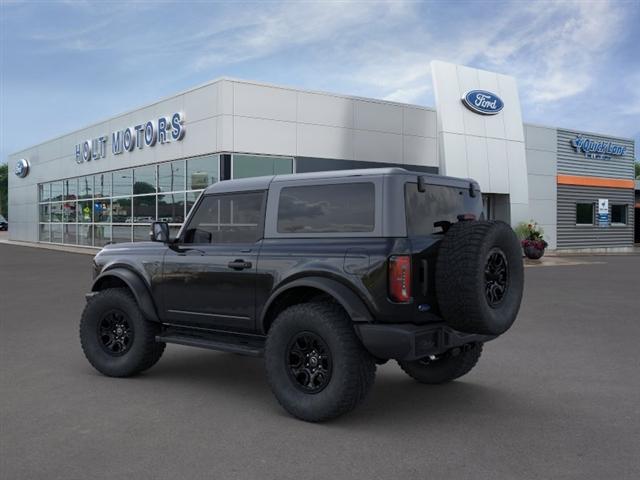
[119,206]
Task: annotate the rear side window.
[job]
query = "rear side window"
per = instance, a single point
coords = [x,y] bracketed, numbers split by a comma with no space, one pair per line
[438,203]
[232,218]
[337,208]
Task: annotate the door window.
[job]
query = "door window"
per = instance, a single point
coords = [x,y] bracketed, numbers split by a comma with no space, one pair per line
[232,218]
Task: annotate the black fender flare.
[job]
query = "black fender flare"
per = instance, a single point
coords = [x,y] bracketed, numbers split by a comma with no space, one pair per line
[345,296]
[137,286]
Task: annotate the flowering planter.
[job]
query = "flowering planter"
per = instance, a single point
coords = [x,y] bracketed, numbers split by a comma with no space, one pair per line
[533,252]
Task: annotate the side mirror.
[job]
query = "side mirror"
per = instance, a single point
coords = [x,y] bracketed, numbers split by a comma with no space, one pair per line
[159,232]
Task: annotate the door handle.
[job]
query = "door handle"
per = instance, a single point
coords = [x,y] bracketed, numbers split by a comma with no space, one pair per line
[239,264]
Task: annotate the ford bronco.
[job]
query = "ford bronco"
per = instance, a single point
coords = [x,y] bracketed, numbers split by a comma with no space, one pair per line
[323,274]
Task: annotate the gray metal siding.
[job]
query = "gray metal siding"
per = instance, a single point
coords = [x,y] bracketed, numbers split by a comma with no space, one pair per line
[572,236]
[571,162]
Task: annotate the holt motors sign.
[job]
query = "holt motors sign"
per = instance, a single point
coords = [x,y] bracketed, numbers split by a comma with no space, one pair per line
[148,134]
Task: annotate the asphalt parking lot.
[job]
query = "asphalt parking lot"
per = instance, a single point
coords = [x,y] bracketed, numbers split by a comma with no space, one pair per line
[557,397]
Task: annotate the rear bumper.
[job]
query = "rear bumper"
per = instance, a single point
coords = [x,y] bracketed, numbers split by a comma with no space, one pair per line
[411,342]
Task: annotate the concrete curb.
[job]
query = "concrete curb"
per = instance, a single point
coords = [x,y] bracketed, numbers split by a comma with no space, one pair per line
[50,246]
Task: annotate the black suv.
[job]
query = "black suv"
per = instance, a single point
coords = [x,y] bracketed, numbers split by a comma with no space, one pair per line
[323,274]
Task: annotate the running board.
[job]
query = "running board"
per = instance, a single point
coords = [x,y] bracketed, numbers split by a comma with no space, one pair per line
[252,345]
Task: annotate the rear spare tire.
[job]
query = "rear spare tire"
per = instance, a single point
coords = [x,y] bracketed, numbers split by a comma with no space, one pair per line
[479,277]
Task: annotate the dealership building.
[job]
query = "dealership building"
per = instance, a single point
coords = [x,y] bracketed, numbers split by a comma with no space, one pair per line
[107,182]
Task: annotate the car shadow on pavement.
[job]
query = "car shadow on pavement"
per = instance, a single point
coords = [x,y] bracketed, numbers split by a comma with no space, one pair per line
[395,398]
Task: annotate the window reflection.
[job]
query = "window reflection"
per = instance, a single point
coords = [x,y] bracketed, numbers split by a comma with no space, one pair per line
[171,207]
[171,176]
[259,165]
[144,209]
[202,172]
[118,206]
[102,210]
[85,235]
[102,183]
[121,210]
[56,191]
[85,187]
[85,212]
[122,183]
[144,180]
[69,211]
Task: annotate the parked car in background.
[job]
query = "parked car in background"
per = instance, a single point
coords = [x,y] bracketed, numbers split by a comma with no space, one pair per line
[4,224]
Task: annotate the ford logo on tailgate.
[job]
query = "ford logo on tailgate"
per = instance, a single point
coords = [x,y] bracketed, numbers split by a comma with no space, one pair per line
[483,102]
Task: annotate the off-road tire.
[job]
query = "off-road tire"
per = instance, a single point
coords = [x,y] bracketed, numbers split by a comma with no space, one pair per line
[141,354]
[462,280]
[353,368]
[446,368]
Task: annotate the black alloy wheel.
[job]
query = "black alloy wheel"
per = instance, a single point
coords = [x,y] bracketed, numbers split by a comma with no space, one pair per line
[116,337]
[115,332]
[496,275]
[309,362]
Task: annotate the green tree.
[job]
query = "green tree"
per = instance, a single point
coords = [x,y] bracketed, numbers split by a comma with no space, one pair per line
[4,190]
[638,170]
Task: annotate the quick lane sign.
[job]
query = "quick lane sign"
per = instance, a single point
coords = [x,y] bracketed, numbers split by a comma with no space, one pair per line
[598,149]
[148,134]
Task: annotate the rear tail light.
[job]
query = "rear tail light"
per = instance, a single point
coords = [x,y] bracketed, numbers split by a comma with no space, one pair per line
[400,278]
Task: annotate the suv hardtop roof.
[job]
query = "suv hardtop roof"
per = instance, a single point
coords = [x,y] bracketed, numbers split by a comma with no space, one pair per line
[262,183]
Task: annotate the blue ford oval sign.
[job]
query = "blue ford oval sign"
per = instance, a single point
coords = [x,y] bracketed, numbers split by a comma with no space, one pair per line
[22,168]
[483,102]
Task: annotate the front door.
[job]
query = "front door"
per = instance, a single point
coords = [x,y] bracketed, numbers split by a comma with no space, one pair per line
[209,275]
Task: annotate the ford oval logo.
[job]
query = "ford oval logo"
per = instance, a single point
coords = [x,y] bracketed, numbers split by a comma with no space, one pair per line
[22,168]
[483,102]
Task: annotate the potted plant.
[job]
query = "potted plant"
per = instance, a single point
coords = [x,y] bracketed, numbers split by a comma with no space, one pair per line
[531,239]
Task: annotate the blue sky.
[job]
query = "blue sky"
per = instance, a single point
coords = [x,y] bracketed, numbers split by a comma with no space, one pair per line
[66,64]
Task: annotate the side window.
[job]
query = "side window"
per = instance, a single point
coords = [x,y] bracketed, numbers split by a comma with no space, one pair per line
[619,214]
[584,213]
[229,218]
[337,208]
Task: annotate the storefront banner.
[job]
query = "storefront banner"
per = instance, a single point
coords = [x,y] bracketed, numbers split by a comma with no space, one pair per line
[603,212]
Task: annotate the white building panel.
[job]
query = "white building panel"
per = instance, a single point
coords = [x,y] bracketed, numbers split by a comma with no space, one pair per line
[329,110]
[325,142]
[225,97]
[494,125]
[201,103]
[225,133]
[541,162]
[447,91]
[202,138]
[474,124]
[456,150]
[260,101]
[478,161]
[269,136]
[512,115]
[377,146]
[420,151]
[498,166]
[419,121]
[518,188]
[380,117]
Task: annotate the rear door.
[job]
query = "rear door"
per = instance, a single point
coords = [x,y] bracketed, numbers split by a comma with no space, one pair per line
[428,214]
[209,276]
